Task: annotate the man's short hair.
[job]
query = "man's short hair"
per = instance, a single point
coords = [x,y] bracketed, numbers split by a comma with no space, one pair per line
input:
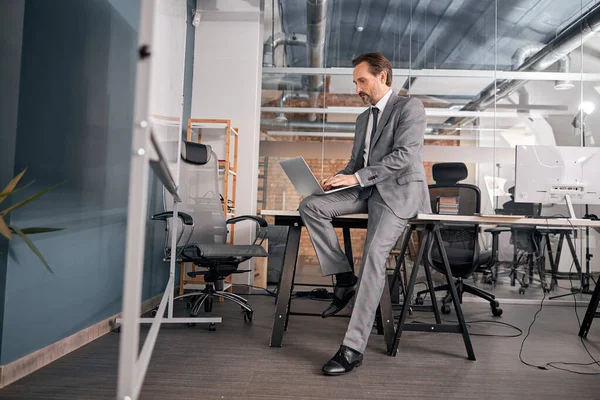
[377,63]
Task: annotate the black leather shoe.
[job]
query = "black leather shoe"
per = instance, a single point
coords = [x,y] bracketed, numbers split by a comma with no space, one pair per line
[344,361]
[342,294]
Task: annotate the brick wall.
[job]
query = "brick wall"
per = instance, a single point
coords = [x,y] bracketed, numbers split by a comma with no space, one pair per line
[280,194]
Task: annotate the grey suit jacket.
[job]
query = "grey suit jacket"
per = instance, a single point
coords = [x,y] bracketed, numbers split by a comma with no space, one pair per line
[395,156]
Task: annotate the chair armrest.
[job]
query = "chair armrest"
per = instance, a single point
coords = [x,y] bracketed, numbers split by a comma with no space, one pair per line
[163,216]
[260,221]
[262,225]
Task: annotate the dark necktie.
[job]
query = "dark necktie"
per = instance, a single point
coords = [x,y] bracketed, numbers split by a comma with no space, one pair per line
[375,112]
[366,192]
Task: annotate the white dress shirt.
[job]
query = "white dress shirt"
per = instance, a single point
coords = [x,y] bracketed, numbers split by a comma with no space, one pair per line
[381,106]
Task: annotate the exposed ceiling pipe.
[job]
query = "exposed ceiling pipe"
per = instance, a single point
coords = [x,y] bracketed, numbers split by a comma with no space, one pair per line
[568,40]
[523,100]
[523,53]
[564,65]
[273,42]
[283,82]
[285,97]
[316,16]
[323,126]
[316,125]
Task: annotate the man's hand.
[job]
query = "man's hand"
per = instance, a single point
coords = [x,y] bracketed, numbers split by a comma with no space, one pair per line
[339,181]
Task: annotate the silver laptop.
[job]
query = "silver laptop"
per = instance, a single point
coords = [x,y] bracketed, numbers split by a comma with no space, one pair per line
[303,179]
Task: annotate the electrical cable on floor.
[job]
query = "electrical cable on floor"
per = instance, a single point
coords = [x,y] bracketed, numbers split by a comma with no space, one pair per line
[269,293]
[469,325]
[553,363]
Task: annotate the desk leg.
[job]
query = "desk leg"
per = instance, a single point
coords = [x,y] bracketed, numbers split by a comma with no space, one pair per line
[455,298]
[431,286]
[591,313]
[400,260]
[348,247]
[290,257]
[541,261]
[553,265]
[386,317]
[409,289]
[576,261]
[559,247]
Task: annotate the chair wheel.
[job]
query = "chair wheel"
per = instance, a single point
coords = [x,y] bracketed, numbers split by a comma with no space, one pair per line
[496,312]
[446,309]
[191,324]
[521,290]
[212,327]
[188,304]
[248,316]
[496,304]
[153,312]
[419,301]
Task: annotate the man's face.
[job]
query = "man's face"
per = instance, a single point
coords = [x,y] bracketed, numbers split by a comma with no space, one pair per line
[369,87]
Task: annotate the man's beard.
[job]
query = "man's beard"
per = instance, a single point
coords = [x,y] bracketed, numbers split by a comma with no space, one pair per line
[365,98]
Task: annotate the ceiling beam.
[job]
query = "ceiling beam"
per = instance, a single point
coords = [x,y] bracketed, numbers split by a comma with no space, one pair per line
[388,22]
[361,21]
[467,38]
[419,10]
[442,27]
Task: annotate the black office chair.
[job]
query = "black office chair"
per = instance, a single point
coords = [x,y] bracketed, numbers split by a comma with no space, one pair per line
[203,230]
[527,242]
[460,241]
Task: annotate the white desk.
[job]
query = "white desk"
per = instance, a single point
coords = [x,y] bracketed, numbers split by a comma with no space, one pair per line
[508,220]
[493,220]
[291,219]
[428,224]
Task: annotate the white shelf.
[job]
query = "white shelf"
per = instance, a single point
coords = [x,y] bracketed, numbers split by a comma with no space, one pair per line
[209,125]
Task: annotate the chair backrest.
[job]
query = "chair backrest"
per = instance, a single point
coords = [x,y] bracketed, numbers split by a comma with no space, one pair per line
[450,197]
[446,177]
[199,191]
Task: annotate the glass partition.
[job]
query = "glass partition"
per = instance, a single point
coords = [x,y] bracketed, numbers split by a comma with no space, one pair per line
[492,75]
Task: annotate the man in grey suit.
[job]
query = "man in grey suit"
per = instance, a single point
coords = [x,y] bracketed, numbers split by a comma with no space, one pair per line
[387,165]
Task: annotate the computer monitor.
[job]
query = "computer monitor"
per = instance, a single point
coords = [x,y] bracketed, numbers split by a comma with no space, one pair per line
[557,174]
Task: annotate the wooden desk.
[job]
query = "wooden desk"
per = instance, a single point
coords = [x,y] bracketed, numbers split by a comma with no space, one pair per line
[292,220]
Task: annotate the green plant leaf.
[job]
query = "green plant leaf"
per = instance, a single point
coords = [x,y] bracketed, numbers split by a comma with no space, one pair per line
[32,247]
[2,195]
[29,200]
[31,231]
[4,229]
[11,185]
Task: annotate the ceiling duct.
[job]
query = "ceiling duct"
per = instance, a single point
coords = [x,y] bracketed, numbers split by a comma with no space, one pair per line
[284,98]
[308,125]
[523,53]
[273,42]
[558,48]
[283,82]
[316,17]
[564,65]
[283,124]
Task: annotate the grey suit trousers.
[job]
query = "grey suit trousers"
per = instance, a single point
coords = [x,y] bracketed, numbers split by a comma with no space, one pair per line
[384,229]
